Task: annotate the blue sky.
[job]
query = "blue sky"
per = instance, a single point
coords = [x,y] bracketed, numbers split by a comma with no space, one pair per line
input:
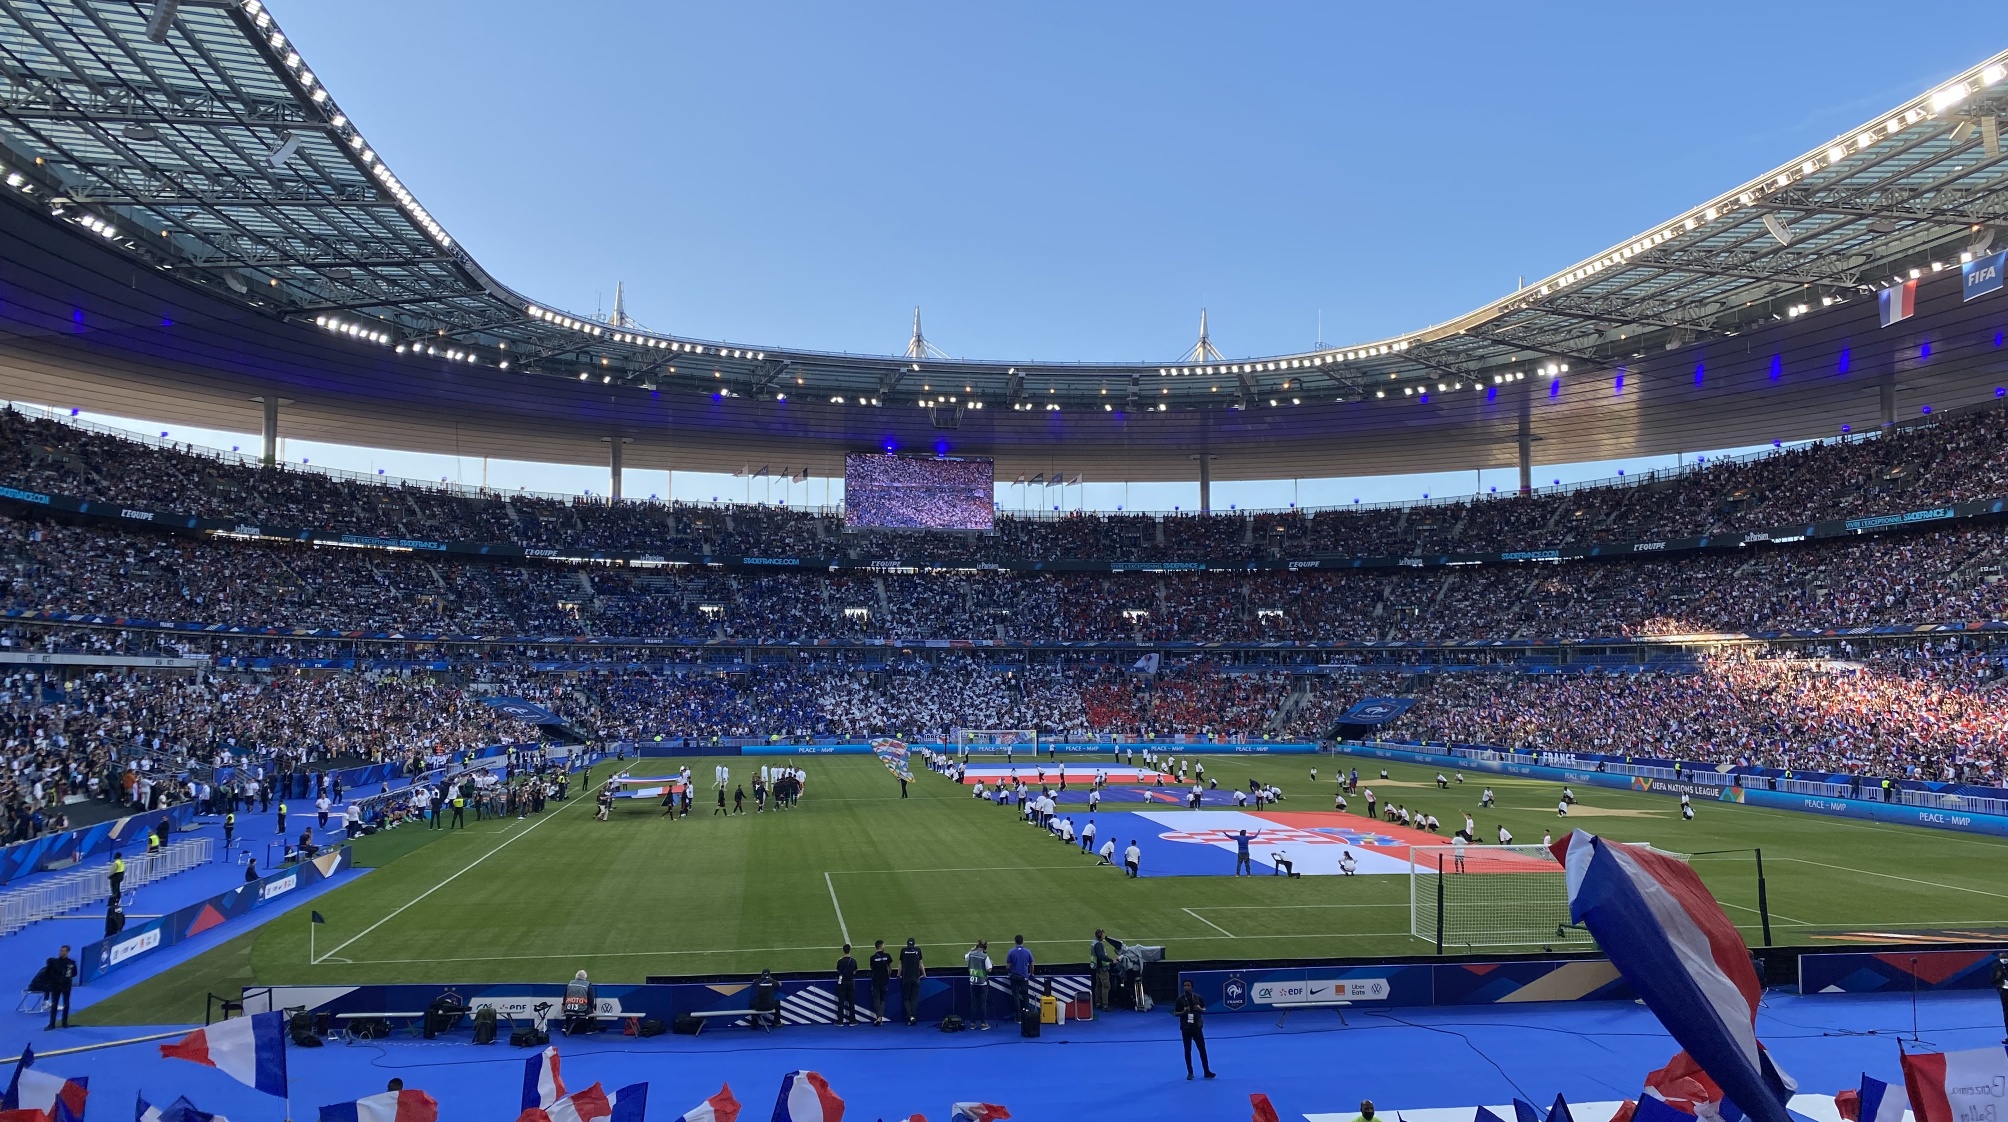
[1076,181]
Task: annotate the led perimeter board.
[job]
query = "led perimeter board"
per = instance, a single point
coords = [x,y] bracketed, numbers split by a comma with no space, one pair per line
[918,493]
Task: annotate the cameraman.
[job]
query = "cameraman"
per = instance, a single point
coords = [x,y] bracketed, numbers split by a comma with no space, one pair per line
[1102,955]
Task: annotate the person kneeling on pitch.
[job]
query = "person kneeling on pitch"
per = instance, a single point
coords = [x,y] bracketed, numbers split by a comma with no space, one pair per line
[1280,862]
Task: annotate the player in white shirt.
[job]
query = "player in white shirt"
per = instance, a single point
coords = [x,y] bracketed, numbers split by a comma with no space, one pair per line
[1280,862]
[1687,812]
[979,790]
[1505,835]
[1457,853]
[1346,863]
[1546,841]
[1339,800]
[1562,809]
[1485,799]
[1470,827]
[1133,859]
[1240,798]
[1094,798]
[1088,837]
[1108,852]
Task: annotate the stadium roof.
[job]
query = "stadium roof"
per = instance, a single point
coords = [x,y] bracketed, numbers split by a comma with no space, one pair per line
[193,146]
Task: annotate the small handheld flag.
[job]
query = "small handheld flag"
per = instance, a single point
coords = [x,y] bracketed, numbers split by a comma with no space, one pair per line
[1877,1102]
[806,1097]
[50,1098]
[251,1050]
[542,1085]
[721,1107]
[1949,1086]
[1262,1110]
[976,1112]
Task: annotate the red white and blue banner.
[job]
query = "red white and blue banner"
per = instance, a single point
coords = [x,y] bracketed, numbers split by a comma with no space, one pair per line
[721,1107]
[806,1097]
[1956,1086]
[1683,957]
[55,1097]
[1181,843]
[251,1050]
[390,1106]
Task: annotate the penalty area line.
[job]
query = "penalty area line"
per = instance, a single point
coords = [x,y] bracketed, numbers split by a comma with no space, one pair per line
[1208,922]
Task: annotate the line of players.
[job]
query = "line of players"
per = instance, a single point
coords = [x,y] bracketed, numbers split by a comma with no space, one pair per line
[781,784]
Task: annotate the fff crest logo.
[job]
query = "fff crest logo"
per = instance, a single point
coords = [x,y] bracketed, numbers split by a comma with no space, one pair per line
[1234,994]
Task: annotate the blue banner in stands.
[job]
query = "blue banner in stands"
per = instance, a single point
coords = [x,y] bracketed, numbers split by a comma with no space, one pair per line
[1983,275]
[523,710]
[1376,710]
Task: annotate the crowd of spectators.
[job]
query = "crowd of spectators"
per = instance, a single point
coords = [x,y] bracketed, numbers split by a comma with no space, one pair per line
[1944,459]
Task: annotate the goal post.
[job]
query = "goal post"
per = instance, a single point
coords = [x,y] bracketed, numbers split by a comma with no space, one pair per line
[996,742]
[1496,896]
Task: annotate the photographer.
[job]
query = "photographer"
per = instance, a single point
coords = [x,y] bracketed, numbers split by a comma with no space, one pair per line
[580,1005]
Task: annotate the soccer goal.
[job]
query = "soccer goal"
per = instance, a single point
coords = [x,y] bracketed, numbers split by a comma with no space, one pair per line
[997,742]
[1496,896]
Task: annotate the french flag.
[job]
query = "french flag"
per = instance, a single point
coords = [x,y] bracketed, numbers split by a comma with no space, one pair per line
[390,1106]
[1877,1102]
[1898,302]
[251,1050]
[1949,1086]
[721,1107]
[542,1085]
[976,1112]
[806,1097]
[55,1098]
[1670,940]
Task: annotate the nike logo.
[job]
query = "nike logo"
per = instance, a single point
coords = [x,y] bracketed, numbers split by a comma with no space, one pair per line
[1316,990]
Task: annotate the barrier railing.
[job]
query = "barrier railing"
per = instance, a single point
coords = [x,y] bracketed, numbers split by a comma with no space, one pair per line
[86,885]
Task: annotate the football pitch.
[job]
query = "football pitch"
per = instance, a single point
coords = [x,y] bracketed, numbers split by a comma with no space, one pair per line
[640,895]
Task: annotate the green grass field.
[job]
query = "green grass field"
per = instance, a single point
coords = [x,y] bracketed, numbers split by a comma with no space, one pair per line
[641,895]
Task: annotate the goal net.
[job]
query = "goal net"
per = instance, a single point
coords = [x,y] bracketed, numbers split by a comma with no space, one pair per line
[997,742]
[1497,896]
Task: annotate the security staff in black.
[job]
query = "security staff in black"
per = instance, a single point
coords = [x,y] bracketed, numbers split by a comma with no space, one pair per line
[229,828]
[118,873]
[459,810]
[910,973]
[847,989]
[881,964]
[1190,1009]
[59,974]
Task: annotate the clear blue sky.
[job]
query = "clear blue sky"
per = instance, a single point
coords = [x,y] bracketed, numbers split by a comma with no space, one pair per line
[1075,181]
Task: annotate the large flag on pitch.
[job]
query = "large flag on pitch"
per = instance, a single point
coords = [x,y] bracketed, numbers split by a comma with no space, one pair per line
[1670,940]
[55,1098]
[251,1050]
[542,1085]
[180,1110]
[806,1097]
[1953,1086]
[721,1107]
[390,1106]
[1898,302]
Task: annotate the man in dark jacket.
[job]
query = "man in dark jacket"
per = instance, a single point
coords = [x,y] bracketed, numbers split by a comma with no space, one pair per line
[59,974]
[881,964]
[911,971]
[1190,1009]
[847,988]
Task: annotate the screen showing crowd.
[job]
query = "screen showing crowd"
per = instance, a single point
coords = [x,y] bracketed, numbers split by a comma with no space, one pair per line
[916,492]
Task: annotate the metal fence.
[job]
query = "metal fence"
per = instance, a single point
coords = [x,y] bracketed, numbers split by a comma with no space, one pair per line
[83,886]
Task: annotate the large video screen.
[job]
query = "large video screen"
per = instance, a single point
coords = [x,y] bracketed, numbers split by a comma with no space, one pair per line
[918,493]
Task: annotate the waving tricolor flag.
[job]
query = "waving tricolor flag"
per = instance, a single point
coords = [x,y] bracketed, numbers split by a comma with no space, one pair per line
[251,1050]
[1669,938]
[390,1106]
[1953,1086]
[542,1085]
[51,1097]
[976,1112]
[721,1107]
[1878,1101]
[806,1097]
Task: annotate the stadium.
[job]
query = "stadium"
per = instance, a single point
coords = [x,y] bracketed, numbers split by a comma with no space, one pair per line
[322,778]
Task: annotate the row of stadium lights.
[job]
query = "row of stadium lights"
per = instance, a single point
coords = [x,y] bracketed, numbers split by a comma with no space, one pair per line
[1940,100]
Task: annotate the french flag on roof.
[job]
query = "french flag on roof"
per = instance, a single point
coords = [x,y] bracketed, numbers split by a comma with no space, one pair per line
[390,1106]
[251,1050]
[542,1085]
[721,1107]
[1669,938]
[806,1097]
[1898,302]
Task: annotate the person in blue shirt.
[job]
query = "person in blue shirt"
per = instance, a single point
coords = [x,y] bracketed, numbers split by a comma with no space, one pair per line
[1020,962]
[1241,858]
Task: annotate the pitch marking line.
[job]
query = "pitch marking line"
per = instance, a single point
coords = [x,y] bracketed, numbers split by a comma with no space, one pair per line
[510,840]
[1208,922]
[839,907]
[1892,876]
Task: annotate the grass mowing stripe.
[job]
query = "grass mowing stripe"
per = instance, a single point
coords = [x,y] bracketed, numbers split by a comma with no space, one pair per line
[585,784]
[1893,876]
